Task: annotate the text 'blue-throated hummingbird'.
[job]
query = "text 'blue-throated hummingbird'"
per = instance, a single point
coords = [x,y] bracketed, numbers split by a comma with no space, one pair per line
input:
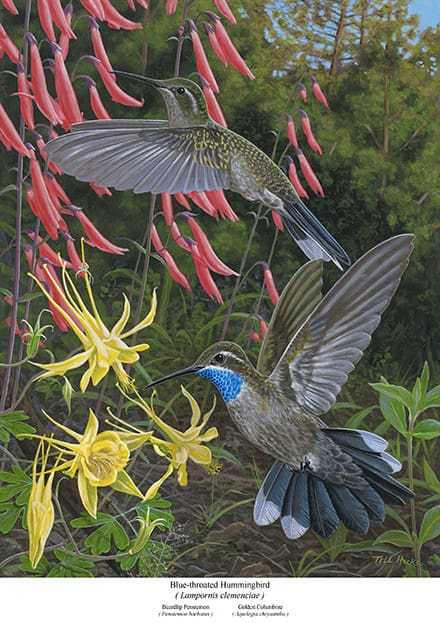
[187,152]
[321,475]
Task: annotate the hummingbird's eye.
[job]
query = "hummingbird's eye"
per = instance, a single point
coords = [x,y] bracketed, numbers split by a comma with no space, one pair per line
[180,91]
[219,358]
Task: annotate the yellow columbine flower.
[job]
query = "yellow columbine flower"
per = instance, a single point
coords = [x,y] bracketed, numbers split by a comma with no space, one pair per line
[99,460]
[179,446]
[102,348]
[40,512]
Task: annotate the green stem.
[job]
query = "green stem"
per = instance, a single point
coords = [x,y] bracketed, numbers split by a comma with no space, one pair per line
[412,505]
[238,281]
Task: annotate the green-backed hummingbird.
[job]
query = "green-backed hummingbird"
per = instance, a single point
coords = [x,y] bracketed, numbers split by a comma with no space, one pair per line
[321,475]
[187,152]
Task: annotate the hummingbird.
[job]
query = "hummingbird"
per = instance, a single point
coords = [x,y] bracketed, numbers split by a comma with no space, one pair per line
[321,475]
[187,152]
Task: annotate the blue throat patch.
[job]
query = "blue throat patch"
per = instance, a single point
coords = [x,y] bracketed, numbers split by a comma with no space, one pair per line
[228,383]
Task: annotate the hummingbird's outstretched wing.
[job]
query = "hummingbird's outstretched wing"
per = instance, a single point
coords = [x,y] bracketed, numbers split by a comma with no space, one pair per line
[297,301]
[326,348]
[140,155]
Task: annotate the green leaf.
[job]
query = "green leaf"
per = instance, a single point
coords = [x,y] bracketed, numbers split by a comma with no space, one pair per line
[427,429]
[16,424]
[9,513]
[394,412]
[430,476]
[432,398]
[424,380]
[395,537]
[395,392]
[430,528]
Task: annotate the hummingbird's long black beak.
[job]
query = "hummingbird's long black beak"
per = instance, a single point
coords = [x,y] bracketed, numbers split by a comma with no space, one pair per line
[183,372]
[150,81]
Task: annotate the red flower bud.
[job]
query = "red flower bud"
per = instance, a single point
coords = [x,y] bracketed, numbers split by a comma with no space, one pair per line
[219,201]
[230,51]
[276,217]
[95,238]
[212,260]
[313,143]
[293,176]
[9,135]
[270,284]
[223,8]
[202,63]
[167,206]
[291,134]
[309,174]
[115,19]
[317,92]
[9,46]
[9,4]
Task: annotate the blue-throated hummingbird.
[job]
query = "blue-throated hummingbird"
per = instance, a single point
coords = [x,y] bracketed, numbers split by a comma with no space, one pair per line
[185,153]
[321,475]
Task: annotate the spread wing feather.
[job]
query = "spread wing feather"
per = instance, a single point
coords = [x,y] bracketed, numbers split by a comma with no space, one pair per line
[297,301]
[139,155]
[325,349]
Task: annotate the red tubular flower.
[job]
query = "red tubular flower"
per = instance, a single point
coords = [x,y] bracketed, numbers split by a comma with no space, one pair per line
[293,176]
[9,46]
[115,20]
[40,144]
[46,251]
[309,174]
[43,198]
[214,43]
[302,92]
[39,87]
[56,191]
[174,270]
[98,47]
[202,63]
[291,134]
[171,6]
[10,134]
[201,200]
[223,8]
[172,267]
[203,273]
[45,15]
[219,201]
[254,336]
[75,260]
[10,6]
[214,110]
[46,213]
[100,190]
[65,91]
[167,207]
[212,260]
[96,104]
[313,143]
[183,201]
[317,92]
[263,325]
[26,99]
[228,47]
[270,284]
[94,8]
[60,19]
[95,238]
[180,240]
[64,39]
[4,139]
[144,4]
[276,217]
[115,92]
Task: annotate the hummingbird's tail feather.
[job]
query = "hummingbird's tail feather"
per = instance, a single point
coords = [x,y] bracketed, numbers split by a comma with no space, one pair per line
[302,500]
[311,236]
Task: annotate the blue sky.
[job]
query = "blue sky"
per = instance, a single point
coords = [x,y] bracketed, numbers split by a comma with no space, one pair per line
[429,11]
